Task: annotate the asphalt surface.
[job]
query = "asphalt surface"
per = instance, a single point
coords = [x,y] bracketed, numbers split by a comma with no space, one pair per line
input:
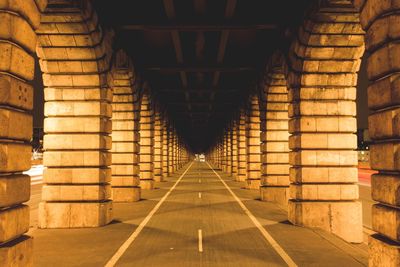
[195,222]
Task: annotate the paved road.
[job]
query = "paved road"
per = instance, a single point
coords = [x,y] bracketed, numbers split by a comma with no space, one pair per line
[364,187]
[195,222]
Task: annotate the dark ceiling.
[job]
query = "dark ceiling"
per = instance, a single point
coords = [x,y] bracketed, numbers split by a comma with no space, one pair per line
[201,57]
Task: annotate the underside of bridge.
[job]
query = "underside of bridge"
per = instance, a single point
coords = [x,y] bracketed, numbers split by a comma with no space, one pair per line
[135,92]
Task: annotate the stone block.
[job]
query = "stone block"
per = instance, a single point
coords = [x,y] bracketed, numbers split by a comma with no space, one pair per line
[384,92]
[14,222]
[323,174]
[77,124]
[253,183]
[15,92]
[146,184]
[77,175]
[15,157]
[386,189]
[125,181]
[275,194]
[18,252]
[76,141]
[15,125]
[76,158]
[386,220]
[16,60]
[384,124]
[383,252]
[343,219]
[74,215]
[78,108]
[76,192]
[324,191]
[385,156]
[323,157]
[14,189]
[125,194]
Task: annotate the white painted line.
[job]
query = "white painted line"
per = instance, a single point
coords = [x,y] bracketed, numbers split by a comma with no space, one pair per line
[200,195]
[199,181]
[118,254]
[35,183]
[264,232]
[200,240]
[37,178]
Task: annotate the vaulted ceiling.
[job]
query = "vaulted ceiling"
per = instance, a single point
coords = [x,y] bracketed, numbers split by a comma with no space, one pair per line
[201,57]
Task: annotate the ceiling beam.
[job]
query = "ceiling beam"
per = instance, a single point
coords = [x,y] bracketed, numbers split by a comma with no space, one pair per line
[198,27]
[219,68]
[229,11]
[170,11]
[227,91]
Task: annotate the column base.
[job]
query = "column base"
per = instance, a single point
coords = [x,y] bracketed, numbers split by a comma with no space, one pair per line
[147,184]
[74,215]
[275,194]
[18,252]
[253,184]
[343,219]
[158,178]
[125,194]
[383,252]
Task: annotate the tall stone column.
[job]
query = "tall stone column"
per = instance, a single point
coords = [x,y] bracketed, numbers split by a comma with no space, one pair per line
[380,20]
[165,148]
[17,47]
[325,59]
[242,147]
[224,149]
[234,150]
[275,139]
[74,57]
[175,138]
[170,150]
[229,151]
[158,153]
[125,124]
[146,153]
[253,142]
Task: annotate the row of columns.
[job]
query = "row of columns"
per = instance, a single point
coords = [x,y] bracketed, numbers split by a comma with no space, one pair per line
[308,120]
[104,138]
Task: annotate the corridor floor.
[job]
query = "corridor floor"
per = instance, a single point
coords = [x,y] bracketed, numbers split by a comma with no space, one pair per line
[193,219]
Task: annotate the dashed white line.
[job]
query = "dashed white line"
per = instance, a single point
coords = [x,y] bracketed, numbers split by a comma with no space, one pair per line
[200,240]
[264,232]
[134,235]
[199,181]
[199,194]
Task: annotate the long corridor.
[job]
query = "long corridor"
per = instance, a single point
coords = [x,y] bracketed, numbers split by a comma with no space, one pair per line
[198,218]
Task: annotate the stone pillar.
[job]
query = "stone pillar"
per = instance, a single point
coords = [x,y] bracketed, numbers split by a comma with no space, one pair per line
[17,46]
[170,150]
[253,142]
[381,20]
[175,165]
[125,124]
[165,148]
[275,139]
[158,155]
[228,151]
[74,56]
[242,147]
[325,59]
[224,149]
[146,154]
[234,150]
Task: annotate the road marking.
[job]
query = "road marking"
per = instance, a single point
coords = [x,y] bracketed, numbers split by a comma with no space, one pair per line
[200,240]
[199,181]
[199,195]
[35,183]
[135,234]
[264,232]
